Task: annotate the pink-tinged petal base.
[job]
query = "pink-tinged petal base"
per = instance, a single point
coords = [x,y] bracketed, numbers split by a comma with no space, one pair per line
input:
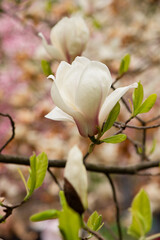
[86,127]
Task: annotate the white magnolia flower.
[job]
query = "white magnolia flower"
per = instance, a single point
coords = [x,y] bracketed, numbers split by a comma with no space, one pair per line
[76,183]
[80,92]
[68,38]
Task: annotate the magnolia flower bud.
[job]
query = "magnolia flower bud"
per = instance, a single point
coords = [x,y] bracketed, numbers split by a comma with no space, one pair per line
[68,38]
[75,181]
[81,93]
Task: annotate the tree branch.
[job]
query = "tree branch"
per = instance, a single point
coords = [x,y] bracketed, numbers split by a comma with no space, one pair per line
[126,170]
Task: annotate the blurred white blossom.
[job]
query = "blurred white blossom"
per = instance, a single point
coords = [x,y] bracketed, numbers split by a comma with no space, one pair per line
[68,39]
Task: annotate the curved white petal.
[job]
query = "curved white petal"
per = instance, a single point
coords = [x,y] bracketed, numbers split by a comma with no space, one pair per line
[61,103]
[58,35]
[67,79]
[83,60]
[111,101]
[59,100]
[51,50]
[62,70]
[58,115]
[76,174]
[92,89]
[77,37]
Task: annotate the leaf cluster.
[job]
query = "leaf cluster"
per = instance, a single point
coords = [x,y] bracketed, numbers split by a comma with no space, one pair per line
[137,98]
[70,222]
[37,172]
[141,216]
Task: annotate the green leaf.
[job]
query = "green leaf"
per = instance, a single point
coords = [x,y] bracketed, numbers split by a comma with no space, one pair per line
[69,221]
[62,199]
[95,221]
[147,105]
[31,183]
[41,168]
[38,168]
[23,179]
[115,139]
[111,118]
[137,96]
[141,215]
[124,64]
[46,67]
[45,215]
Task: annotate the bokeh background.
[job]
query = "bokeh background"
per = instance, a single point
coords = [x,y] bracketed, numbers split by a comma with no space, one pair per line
[116,27]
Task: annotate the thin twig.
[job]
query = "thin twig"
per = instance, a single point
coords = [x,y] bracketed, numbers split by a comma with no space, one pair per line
[8,210]
[55,179]
[122,126]
[144,135]
[96,234]
[143,127]
[13,130]
[119,125]
[117,207]
[117,79]
[153,119]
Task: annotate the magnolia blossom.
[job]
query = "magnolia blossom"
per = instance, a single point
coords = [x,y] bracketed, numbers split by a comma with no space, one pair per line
[76,184]
[68,38]
[81,93]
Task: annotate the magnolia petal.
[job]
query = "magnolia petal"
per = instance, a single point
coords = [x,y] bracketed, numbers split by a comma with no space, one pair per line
[92,89]
[111,101]
[58,35]
[62,70]
[58,115]
[59,101]
[86,127]
[83,60]
[51,50]
[76,174]
[70,36]
[78,37]
[67,79]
